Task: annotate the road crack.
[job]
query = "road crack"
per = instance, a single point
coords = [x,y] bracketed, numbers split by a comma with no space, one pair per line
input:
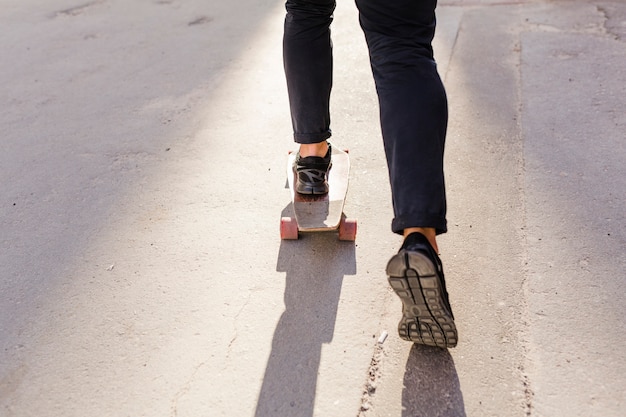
[373,377]
[611,23]
[186,388]
[524,326]
[78,10]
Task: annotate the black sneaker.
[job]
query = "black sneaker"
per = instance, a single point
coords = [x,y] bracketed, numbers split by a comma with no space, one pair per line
[312,173]
[416,275]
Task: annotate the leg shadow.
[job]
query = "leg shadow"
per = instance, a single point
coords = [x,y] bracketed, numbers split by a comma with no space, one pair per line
[431,384]
[315,266]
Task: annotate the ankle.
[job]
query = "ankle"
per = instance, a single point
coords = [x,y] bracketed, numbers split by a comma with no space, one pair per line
[314,149]
[429,232]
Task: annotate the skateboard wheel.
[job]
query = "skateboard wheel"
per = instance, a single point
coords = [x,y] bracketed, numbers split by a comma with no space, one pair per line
[288,228]
[347,229]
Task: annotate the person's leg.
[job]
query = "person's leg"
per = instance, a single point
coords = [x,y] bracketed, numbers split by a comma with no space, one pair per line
[413,108]
[308,62]
[414,114]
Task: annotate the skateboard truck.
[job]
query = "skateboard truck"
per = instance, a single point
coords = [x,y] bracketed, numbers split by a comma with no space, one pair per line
[289,229]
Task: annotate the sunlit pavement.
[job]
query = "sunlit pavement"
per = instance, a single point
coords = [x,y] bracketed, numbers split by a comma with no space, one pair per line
[143,171]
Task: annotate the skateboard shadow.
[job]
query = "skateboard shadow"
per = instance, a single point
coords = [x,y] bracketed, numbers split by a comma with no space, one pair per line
[431,384]
[315,266]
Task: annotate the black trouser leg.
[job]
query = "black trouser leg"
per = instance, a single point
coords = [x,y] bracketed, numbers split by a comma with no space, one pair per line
[413,107]
[307,53]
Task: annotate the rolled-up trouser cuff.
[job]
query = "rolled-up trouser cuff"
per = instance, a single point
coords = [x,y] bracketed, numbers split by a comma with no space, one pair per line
[419,220]
[308,138]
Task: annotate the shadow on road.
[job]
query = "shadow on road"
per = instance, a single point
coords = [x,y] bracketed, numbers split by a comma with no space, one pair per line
[431,384]
[315,266]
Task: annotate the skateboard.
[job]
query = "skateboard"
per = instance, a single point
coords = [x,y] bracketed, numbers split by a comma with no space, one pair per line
[320,213]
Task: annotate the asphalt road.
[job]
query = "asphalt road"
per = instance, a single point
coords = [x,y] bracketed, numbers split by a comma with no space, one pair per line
[143,180]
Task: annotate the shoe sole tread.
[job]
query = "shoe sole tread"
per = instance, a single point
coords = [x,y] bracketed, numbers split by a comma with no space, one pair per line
[425,318]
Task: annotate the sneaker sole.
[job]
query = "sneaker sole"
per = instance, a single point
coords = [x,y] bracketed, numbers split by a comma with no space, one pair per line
[425,319]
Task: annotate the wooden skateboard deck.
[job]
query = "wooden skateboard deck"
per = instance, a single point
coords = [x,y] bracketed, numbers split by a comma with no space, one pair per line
[320,213]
